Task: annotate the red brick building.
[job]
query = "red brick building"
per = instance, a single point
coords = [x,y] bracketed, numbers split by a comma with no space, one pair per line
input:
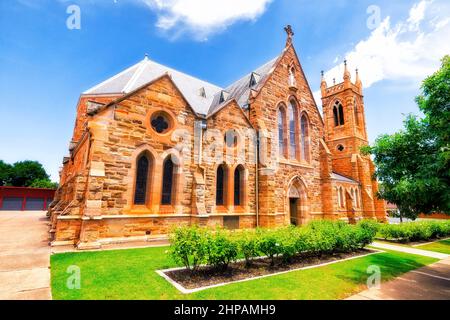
[153,148]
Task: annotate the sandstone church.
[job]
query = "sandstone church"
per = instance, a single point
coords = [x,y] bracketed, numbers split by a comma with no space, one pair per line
[154,148]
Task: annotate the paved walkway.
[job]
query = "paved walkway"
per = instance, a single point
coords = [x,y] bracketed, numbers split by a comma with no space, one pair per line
[24,256]
[437,255]
[428,283]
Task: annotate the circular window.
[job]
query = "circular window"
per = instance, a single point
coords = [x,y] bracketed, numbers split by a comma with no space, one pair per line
[231,138]
[160,122]
[340,147]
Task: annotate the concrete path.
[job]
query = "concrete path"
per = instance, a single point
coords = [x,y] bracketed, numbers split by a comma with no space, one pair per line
[428,283]
[24,256]
[437,255]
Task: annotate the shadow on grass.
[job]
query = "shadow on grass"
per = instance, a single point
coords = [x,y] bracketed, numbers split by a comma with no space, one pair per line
[391,266]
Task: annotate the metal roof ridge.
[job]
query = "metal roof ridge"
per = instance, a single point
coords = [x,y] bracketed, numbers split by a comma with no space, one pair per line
[136,75]
[112,78]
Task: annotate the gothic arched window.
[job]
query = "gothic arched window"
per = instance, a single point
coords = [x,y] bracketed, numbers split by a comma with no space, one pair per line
[304,124]
[341,197]
[341,115]
[358,204]
[142,170]
[220,185]
[354,198]
[167,183]
[281,133]
[338,193]
[356,112]
[338,114]
[292,111]
[239,185]
[335,116]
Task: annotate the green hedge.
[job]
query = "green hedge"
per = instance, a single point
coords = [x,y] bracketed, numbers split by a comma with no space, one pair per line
[193,246]
[415,231]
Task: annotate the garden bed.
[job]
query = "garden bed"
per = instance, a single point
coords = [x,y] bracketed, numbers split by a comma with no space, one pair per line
[205,277]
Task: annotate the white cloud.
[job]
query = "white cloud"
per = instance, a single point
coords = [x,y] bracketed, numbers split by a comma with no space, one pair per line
[201,18]
[407,51]
[417,14]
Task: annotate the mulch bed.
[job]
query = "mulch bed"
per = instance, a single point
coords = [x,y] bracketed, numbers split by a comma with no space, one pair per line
[207,276]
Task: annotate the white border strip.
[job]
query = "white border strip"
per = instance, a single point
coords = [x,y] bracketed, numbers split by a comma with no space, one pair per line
[424,244]
[183,290]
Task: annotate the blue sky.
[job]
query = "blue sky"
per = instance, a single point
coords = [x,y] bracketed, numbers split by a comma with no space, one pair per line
[44,66]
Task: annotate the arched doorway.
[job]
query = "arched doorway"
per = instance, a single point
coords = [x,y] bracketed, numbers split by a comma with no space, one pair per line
[298,202]
[294,203]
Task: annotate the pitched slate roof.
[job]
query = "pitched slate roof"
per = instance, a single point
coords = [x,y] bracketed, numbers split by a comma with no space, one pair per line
[146,71]
[336,176]
[204,97]
[240,90]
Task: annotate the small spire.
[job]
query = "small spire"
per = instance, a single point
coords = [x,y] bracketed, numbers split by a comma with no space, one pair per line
[334,80]
[347,75]
[323,84]
[146,56]
[290,34]
[322,78]
[358,82]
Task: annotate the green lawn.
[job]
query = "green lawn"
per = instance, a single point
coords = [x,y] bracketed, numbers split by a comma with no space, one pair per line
[130,274]
[442,246]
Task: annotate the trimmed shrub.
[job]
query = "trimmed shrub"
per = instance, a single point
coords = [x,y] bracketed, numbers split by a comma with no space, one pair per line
[347,238]
[287,243]
[370,225]
[322,236]
[247,242]
[415,231]
[268,243]
[220,249]
[193,246]
[367,230]
[188,246]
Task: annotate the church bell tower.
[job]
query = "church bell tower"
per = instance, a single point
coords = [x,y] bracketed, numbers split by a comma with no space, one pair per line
[345,134]
[345,123]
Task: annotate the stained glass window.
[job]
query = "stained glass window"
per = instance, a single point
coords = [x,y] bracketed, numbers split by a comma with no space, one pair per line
[292,139]
[220,186]
[237,186]
[304,138]
[167,183]
[160,123]
[140,193]
[281,137]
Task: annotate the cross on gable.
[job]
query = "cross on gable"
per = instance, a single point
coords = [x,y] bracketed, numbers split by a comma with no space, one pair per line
[290,34]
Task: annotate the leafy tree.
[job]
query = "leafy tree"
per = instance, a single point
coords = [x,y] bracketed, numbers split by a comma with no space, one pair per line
[44,183]
[25,172]
[5,173]
[413,164]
